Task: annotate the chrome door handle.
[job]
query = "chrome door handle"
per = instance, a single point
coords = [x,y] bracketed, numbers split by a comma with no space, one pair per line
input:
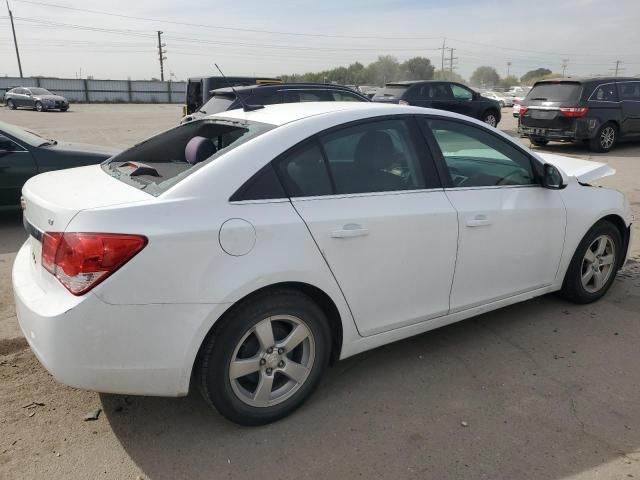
[349,231]
[478,221]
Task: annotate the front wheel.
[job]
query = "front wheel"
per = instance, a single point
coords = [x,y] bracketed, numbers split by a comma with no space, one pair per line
[11,105]
[538,142]
[39,107]
[64,109]
[604,139]
[490,118]
[594,264]
[265,358]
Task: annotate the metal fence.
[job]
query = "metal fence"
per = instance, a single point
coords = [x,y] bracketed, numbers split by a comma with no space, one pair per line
[103,91]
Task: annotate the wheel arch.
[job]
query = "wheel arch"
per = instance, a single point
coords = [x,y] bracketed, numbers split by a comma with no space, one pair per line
[625,233]
[320,297]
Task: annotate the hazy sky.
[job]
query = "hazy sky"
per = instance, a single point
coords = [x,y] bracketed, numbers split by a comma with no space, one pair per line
[591,34]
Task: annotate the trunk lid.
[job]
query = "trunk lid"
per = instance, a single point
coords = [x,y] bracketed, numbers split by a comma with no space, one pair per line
[584,170]
[52,199]
[544,101]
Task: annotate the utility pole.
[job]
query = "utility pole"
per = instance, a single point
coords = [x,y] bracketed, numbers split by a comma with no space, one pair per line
[565,62]
[161,53]
[617,67]
[444,41]
[451,59]
[508,68]
[15,41]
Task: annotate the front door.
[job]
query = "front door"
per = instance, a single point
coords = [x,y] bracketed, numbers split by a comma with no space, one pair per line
[511,228]
[16,167]
[371,199]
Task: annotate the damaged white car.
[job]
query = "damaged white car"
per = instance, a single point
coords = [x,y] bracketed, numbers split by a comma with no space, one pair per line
[243,252]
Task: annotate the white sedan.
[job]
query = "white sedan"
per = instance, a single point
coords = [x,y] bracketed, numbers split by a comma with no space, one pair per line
[247,250]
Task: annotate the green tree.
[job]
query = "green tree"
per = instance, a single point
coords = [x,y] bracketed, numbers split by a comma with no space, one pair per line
[417,68]
[509,81]
[532,75]
[449,76]
[485,76]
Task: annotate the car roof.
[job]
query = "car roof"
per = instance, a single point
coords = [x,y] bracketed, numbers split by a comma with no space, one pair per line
[283,113]
[281,86]
[406,83]
[588,79]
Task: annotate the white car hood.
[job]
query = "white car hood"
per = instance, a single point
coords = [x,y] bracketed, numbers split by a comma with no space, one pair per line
[584,170]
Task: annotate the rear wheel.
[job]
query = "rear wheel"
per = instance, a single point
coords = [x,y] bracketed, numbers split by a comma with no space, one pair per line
[265,358]
[11,105]
[39,107]
[593,267]
[64,109]
[490,118]
[605,138]
[538,142]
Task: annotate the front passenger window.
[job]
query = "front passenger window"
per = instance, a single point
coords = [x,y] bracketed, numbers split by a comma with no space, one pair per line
[8,145]
[476,158]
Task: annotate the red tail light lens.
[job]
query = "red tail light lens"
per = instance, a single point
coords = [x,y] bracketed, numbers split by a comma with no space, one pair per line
[574,112]
[523,110]
[82,260]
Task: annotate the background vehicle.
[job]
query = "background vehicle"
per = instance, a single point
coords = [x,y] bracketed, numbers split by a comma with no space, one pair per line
[24,154]
[450,96]
[496,97]
[597,111]
[199,88]
[225,99]
[39,99]
[281,211]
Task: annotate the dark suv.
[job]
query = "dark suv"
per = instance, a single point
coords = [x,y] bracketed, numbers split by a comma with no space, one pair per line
[224,99]
[450,96]
[597,111]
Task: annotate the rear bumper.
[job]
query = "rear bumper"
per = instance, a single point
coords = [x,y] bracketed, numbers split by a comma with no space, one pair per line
[579,129]
[86,343]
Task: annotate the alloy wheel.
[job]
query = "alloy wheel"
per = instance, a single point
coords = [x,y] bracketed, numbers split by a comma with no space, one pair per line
[272,361]
[490,120]
[598,264]
[607,137]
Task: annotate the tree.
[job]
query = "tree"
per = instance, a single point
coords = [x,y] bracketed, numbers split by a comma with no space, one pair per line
[485,76]
[532,75]
[509,81]
[449,76]
[417,68]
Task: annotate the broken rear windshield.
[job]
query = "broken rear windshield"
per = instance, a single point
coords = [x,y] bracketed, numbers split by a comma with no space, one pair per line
[162,161]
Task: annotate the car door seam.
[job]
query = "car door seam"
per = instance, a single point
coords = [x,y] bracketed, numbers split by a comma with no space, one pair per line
[455,262]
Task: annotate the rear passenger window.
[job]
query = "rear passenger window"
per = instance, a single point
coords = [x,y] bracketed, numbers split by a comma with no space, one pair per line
[339,96]
[304,173]
[313,96]
[373,157]
[629,91]
[605,93]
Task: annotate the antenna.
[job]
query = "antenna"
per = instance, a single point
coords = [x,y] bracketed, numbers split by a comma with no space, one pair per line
[246,107]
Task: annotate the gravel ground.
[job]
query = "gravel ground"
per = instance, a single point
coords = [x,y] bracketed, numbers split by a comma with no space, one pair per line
[540,390]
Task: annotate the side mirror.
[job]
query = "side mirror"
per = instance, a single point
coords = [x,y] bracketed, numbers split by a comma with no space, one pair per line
[553,178]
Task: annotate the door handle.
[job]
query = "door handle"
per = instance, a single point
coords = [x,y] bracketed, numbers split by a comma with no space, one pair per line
[349,231]
[478,221]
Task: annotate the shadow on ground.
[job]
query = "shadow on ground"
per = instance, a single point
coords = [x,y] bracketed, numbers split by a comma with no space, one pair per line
[546,389]
[13,234]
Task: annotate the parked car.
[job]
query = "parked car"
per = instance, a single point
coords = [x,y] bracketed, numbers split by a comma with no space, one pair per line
[516,108]
[307,232]
[39,99]
[596,111]
[199,88]
[504,101]
[24,154]
[224,99]
[450,96]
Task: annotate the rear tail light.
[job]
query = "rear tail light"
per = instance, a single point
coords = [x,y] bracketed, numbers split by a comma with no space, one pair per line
[523,110]
[574,112]
[403,102]
[80,261]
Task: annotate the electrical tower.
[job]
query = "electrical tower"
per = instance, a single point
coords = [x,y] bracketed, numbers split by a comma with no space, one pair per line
[565,63]
[451,61]
[161,53]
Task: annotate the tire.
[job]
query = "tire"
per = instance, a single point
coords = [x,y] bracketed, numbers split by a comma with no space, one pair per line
[11,105]
[605,138]
[490,118]
[64,109]
[538,142]
[243,334]
[39,107]
[574,287]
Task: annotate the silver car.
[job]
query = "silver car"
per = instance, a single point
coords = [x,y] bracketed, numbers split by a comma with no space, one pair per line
[39,99]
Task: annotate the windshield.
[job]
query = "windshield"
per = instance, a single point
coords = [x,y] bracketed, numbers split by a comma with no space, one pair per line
[40,91]
[25,136]
[555,92]
[217,104]
[162,161]
[391,91]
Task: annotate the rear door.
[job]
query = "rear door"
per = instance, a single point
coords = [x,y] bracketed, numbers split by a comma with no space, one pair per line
[629,94]
[16,167]
[544,102]
[511,228]
[370,196]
